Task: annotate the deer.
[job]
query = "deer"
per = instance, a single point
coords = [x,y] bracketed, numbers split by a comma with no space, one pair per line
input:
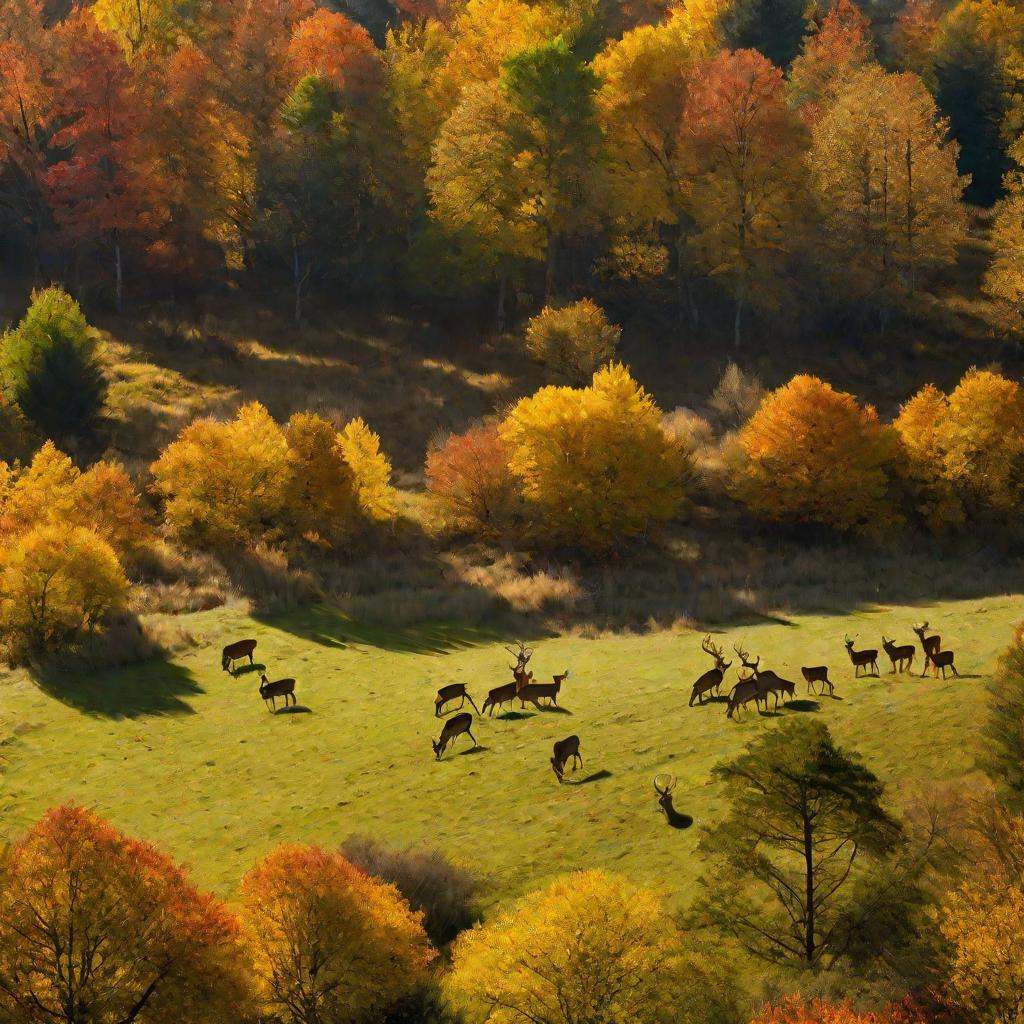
[902,656]
[818,674]
[861,659]
[499,695]
[236,652]
[711,681]
[565,749]
[765,680]
[534,692]
[664,791]
[931,645]
[745,691]
[943,660]
[451,730]
[452,692]
[279,688]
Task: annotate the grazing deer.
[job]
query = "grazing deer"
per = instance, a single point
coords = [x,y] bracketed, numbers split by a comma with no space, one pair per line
[931,645]
[447,693]
[818,674]
[861,659]
[564,749]
[770,683]
[279,688]
[745,691]
[535,692]
[711,681]
[902,656]
[500,695]
[451,730]
[236,652]
[943,660]
[664,791]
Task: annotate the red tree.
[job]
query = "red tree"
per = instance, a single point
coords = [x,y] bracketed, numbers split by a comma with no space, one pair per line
[329,45]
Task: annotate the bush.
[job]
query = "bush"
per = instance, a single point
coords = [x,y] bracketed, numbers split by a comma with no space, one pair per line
[594,463]
[372,470]
[1003,757]
[737,396]
[573,340]
[812,454]
[817,1011]
[432,885]
[50,366]
[56,583]
[469,480]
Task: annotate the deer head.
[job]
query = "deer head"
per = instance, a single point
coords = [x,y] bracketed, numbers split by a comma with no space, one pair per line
[664,789]
[849,642]
[438,747]
[558,767]
[745,661]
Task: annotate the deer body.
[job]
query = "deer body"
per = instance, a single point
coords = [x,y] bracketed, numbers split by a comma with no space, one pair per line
[235,652]
[563,751]
[675,819]
[861,659]
[902,657]
[535,692]
[452,692]
[499,695]
[745,691]
[711,681]
[943,660]
[770,683]
[270,691]
[931,645]
[451,730]
[818,674]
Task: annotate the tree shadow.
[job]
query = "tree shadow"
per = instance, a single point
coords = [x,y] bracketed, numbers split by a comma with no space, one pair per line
[153,687]
[593,777]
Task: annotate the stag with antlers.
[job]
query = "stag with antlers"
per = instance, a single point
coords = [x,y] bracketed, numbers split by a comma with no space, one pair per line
[664,785]
[522,655]
[711,681]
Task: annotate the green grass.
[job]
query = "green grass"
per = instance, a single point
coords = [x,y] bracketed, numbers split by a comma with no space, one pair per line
[185,755]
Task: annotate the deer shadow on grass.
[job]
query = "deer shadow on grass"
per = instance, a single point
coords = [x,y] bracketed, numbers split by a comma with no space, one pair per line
[803,705]
[243,670]
[478,749]
[597,776]
[554,709]
[294,709]
[515,716]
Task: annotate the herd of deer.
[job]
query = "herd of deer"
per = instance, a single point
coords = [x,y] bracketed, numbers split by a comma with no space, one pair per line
[523,689]
[269,691]
[760,684]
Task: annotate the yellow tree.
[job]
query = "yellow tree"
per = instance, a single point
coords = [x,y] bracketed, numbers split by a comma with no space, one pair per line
[594,463]
[747,147]
[812,454]
[371,469]
[573,340]
[140,23]
[589,949]
[1004,279]
[328,942]
[885,179]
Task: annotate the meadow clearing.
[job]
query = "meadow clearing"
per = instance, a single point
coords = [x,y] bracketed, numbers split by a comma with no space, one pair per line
[183,754]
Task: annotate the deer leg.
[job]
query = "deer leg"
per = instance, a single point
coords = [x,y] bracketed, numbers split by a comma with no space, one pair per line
[473,738]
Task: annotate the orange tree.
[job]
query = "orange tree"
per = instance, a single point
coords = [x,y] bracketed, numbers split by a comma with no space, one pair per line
[811,454]
[98,928]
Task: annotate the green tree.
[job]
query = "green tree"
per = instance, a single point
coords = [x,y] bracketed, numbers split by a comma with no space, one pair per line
[1003,752]
[805,823]
[51,368]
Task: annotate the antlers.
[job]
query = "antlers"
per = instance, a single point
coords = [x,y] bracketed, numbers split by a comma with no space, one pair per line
[665,788]
[709,648]
[523,655]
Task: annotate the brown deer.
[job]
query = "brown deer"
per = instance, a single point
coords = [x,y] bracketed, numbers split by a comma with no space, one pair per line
[818,674]
[770,683]
[564,749]
[943,660]
[236,652]
[270,691]
[745,691]
[451,730]
[711,681]
[499,695]
[535,692]
[902,657]
[452,692]
[929,644]
[861,659]
[664,791]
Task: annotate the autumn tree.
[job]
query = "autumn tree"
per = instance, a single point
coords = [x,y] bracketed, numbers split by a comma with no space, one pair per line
[588,948]
[331,46]
[371,468]
[140,23]
[329,943]
[805,823]
[469,480]
[594,463]
[811,454]
[747,149]
[1003,752]
[795,1010]
[574,340]
[50,366]
[887,186]
[97,928]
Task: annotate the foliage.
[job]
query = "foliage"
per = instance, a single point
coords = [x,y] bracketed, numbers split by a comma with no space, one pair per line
[469,479]
[329,943]
[574,340]
[818,1011]
[588,948]
[593,462]
[56,584]
[50,366]
[812,454]
[805,816]
[432,884]
[737,395]
[1003,753]
[371,468]
[99,928]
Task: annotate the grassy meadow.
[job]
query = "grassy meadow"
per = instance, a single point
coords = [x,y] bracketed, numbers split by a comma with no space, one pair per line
[185,755]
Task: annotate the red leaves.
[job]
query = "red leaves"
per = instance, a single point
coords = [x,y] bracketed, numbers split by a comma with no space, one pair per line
[330,45]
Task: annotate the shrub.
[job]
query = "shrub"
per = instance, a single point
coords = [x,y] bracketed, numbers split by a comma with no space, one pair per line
[737,396]
[98,927]
[50,366]
[469,479]
[1003,756]
[326,935]
[56,583]
[812,454]
[818,1011]
[573,340]
[442,892]
[372,470]
[594,463]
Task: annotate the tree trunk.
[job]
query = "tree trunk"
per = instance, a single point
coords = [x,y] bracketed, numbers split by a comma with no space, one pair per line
[809,946]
